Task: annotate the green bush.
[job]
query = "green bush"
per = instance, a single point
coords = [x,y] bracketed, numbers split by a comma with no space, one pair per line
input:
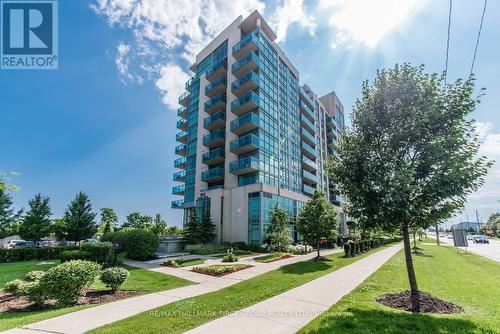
[31,253]
[114,277]
[13,286]
[34,275]
[229,257]
[65,282]
[347,249]
[70,255]
[210,250]
[138,244]
[172,263]
[99,252]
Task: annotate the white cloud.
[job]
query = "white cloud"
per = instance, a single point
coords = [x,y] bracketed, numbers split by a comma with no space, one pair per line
[367,21]
[287,13]
[171,84]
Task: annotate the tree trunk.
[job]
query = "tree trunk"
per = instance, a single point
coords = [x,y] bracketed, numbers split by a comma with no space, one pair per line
[415,304]
[317,246]
[415,241]
[437,234]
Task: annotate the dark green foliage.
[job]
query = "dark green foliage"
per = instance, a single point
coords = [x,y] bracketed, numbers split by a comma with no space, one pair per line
[230,257]
[8,216]
[66,282]
[79,219]
[70,255]
[109,220]
[99,252]
[192,230]
[34,275]
[136,220]
[159,226]
[278,233]
[347,249]
[207,228]
[114,277]
[36,223]
[31,253]
[138,244]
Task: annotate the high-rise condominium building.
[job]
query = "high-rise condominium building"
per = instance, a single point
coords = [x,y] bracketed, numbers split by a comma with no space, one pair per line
[250,136]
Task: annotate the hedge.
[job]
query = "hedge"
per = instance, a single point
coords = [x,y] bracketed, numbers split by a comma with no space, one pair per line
[138,244]
[353,248]
[31,253]
[99,252]
[76,254]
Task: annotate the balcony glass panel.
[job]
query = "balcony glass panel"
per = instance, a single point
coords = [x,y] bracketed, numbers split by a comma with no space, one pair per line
[249,62]
[178,190]
[308,111]
[216,70]
[180,162]
[214,138]
[180,148]
[181,136]
[250,80]
[247,164]
[214,174]
[308,189]
[252,37]
[310,176]
[306,97]
[179,176]
[216,120]
[247,122]
[213,155]
[217,83]
[178,204]
[244,144]
[308,149]
[307,123]
[245,103]
[308,135]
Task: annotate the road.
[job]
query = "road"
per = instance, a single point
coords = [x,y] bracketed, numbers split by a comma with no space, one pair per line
[491,250]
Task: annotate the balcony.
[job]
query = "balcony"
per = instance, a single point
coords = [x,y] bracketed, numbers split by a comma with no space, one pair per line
[180,176]
[219,69]
[182,124]
[308,164]
[308,190]
[216,87]
[245,144]
[330,122]
[216,103]
[178,190]
[330,141]
[307,137]
[181,150]
[180,163]
[245,103]
[215,121]
[182,137]
[178,204]
[335,199]
[213,157]
[182,112]
[309,177]
[248,81]
[248,63]
[213,175]
[307,150]
[189,83]
[214,139]
[307,124]
[184,98]
[304,108]
[244,165]
[305,97]
[248,43]
[245,123]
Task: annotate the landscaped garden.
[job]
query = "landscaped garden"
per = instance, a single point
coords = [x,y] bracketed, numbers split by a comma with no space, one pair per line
[218,270]
[176,263]
[272,257]
[468,280]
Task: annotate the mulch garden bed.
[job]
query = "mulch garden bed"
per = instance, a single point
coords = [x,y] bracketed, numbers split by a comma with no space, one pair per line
[220,270]
[428,303]
[11,303]
[264,260]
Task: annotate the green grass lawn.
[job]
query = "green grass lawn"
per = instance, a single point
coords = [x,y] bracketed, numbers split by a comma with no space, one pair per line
[271,257]
[139,279]
[192,312]
[10,271]
[468,280]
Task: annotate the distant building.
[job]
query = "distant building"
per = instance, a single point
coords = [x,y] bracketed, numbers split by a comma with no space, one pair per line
[467,226]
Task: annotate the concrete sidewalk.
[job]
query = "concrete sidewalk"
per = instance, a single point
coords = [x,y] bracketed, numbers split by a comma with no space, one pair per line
[91,318]
[292,310]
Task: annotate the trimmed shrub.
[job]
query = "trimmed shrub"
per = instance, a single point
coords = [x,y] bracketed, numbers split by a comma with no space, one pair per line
[138,244]
[229,257]
[114,277]
[13,286]
[34,275]
[74,255]
[99,252]
[172,263]
[347,249]
[31,253]
[65,282]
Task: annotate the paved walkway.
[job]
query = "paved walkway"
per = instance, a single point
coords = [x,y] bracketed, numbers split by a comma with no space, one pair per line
[91,318]
[292,310]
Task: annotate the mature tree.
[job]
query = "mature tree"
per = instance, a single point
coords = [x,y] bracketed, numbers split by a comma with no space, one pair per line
[136,220]
[8,216]
[173,231]
[318,220]
[5,181]
[492,224]
[410,158]
[36,223]
[60,229]
[206,228]
[159,226]
[79,218]
[109,220]
[192,230]
[278,231]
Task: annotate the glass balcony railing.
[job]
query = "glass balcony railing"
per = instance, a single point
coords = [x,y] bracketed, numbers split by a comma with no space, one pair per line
[308,190]
[307,124]
[245,103]
[180,176]
[181,137]
[215,156]
[245,144]
[184,98]
[178,204]
[246,123]
[306,97]
[217,70]
[189,83]
[244,165]
[182,124]
[308,163]
[181,149]
[248,81]
[249,42]
[178,190]
[247,63]
[308,150]
[215,87]
[307,111]
[182,111]
[216,102]
[307,136]
[213,175]
[309,176]
[180,162]
[215,121]
[214,138]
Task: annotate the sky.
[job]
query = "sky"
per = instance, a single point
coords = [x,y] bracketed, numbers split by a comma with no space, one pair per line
[104,121]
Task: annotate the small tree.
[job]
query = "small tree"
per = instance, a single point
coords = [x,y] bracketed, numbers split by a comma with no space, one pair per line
[318,220]
[136,220]
[410,159]
[8,216]
[36,223]
[192,230]
[79,219]
[278,231]
[159,226]
[109,220]
[207,228]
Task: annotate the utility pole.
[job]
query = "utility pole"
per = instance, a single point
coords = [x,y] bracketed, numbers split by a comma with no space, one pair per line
[478,225]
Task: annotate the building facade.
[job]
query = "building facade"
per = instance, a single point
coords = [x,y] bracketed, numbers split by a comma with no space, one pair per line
[250,136]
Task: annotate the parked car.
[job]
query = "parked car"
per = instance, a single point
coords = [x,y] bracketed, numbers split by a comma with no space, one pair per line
[481,239]
[89,241]
[24,244]
[13,243]
[449,236]
[45,243]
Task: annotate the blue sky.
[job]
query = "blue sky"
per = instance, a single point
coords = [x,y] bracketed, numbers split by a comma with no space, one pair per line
[104,122]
